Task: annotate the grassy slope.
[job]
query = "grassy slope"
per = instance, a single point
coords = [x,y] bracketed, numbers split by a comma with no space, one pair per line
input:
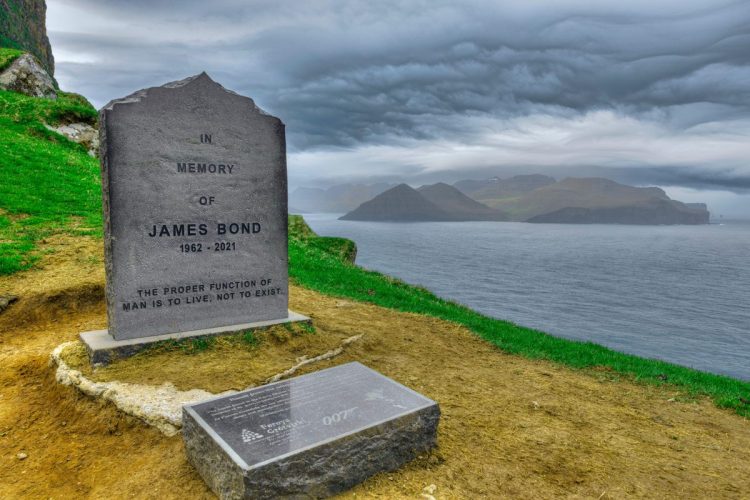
[49,183]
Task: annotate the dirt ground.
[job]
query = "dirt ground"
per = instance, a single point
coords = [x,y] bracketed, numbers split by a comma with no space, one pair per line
[511,427]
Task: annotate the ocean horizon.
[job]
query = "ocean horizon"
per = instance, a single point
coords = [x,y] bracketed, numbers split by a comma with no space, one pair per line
[675,293]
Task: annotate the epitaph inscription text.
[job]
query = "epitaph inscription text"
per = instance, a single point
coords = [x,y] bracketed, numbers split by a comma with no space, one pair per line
[194,182]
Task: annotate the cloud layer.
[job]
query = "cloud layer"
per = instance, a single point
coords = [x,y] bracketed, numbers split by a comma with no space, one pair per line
[652,92]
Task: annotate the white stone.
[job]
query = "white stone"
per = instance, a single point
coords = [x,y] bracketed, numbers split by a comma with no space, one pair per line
[81,133]
[159,406]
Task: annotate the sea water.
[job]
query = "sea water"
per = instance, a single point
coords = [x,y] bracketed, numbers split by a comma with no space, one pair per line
[677,293]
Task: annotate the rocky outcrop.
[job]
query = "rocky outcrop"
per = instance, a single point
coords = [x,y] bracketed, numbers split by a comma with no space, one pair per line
[82,133]
[26,76]
[23,26]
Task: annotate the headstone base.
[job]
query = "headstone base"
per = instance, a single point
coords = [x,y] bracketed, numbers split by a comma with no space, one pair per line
[103,349]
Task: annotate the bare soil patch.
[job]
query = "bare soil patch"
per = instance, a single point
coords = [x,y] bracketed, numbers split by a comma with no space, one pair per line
[511,427]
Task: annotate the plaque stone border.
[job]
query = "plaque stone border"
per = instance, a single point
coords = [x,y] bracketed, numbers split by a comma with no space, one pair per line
[103,349]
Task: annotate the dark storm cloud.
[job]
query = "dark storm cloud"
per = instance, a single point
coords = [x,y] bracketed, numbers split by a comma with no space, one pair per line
[356,73]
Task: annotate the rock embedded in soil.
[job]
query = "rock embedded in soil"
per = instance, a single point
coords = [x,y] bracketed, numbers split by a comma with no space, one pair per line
[81,133]
[26,76]
[6,301]
[159,406]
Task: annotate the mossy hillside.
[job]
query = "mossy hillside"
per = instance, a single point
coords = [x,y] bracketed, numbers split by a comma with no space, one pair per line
[49,184]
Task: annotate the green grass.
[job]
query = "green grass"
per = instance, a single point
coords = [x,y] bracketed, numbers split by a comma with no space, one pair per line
[7,56]
[250,339]
[340,248]
[313,267]
[49,184]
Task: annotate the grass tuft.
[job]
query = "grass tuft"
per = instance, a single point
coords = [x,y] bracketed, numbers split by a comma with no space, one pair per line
[7,56]
[250,339]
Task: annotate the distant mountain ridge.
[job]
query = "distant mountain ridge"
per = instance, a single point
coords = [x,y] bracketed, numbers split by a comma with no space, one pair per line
[438,202]
[532,198]
[491,189]
[401,203]
[451,200]
[598,200]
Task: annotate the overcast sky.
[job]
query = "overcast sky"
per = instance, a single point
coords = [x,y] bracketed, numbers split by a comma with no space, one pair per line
[645,92]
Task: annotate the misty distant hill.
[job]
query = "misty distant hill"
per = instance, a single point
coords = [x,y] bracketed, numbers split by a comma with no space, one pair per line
[401,203]
[438,202]
[489,191]
[451,200]
[532,198]
[339,198]
[597,200]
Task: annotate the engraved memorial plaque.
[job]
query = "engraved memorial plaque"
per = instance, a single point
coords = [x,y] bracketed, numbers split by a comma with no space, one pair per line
[315,434]
[195,200]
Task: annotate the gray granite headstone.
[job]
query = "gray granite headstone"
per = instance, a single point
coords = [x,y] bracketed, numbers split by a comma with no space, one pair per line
[195,200]
[310,436]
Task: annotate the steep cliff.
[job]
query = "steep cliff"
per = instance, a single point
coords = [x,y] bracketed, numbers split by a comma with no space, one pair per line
[23,26]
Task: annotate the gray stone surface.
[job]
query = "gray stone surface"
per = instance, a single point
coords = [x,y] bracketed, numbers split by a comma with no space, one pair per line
[195,206]
[82,133]
[6,301]
[27,76]
[308,437]
[103,349]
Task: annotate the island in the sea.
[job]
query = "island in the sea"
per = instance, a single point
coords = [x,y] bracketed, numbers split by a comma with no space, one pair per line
[530,198]
[438,202]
